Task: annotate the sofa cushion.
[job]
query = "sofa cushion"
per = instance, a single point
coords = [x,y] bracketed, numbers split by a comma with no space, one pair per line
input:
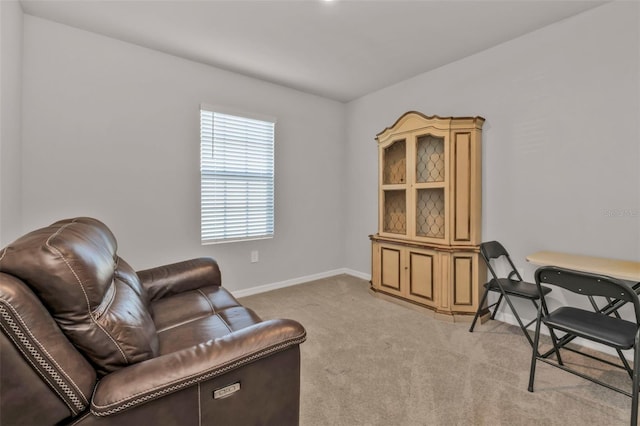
[95,296]
[190,305]
[197,316]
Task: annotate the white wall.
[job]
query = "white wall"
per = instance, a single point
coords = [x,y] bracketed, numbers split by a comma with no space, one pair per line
[111,130]
[561,148]
[10,119]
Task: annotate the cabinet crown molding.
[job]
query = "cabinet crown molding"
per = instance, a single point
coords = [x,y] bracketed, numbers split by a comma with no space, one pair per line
[414,120]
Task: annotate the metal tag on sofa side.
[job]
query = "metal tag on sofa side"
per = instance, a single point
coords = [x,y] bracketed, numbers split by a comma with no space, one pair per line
[226,391]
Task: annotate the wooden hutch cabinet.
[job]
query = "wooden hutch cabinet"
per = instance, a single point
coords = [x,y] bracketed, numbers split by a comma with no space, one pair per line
[426,251]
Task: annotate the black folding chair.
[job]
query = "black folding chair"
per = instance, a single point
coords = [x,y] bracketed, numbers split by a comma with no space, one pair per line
[512,285]
[595,326]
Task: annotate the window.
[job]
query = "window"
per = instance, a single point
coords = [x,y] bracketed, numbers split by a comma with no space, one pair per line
[236,176]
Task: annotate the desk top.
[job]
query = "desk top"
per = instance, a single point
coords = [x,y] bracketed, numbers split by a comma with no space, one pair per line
[621,269]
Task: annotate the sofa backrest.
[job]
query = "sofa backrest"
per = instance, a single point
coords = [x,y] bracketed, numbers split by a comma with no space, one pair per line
[44,378]
[95,297]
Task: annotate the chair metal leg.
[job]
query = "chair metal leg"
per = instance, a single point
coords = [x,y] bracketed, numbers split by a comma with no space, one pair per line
[625,363]
[515,314]
[593,304]
[635,388]
[535,305]
[615,313]
[534,351]
[475,318]
[556,346]
[495,310]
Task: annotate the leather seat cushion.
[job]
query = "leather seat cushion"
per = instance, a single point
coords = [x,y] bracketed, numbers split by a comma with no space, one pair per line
[95,297]
[197,316]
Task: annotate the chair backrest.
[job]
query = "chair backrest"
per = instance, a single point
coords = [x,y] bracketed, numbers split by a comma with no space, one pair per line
[588,284]
[492,250]
[95,296]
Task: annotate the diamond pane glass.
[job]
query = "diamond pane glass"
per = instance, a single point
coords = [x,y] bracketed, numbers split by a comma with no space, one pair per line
[430,159]
[395,169]
[430,213]
[395,212]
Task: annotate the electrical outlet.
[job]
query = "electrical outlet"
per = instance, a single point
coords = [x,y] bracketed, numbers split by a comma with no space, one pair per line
[254,256]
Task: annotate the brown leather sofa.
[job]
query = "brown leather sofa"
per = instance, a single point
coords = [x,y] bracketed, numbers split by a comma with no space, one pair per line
[87,340]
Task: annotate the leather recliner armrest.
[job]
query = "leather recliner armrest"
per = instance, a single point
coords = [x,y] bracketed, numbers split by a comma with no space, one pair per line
[179,277]
[141,383]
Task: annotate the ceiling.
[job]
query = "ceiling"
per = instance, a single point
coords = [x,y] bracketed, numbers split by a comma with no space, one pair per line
[340,49]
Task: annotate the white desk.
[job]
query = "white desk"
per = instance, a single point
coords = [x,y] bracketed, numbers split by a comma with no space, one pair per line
[621,269]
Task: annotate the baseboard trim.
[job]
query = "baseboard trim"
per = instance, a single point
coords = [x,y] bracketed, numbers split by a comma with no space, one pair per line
[357,274]
[299,280]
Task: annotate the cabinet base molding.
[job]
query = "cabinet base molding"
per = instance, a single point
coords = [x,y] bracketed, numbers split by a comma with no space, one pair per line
[455,317]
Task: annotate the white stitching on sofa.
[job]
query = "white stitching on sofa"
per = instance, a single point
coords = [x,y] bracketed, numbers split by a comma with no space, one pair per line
[43,349]
[48,244]
[35,367]
[24,342]
[192,379]
[4,251]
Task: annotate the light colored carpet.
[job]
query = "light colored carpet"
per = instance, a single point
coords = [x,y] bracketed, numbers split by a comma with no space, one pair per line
[371,362]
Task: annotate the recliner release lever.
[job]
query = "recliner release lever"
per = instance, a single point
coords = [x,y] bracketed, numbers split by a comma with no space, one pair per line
[226,391]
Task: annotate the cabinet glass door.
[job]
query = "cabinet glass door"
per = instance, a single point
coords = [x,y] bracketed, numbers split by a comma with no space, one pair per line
[394,188]
[430,184]
[394,163]
[430,213]
[395,211]
[430,159]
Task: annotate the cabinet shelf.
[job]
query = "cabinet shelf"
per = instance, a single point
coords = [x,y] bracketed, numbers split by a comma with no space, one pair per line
[393,187]
[428,185]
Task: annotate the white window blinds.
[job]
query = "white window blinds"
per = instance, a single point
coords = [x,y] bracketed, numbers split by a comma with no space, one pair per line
[236,175]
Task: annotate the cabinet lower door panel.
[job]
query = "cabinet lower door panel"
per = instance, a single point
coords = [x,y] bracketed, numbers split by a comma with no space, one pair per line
[464,277]
[421,277]
[390,269]
[462,273]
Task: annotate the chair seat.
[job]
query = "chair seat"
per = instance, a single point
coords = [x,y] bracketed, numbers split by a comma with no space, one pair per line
[593,326]
[516,288]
